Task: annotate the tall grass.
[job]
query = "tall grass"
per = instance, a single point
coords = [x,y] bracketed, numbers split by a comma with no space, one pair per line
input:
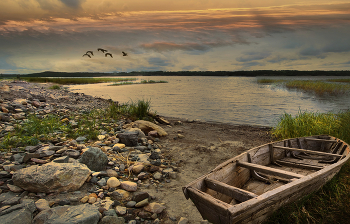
[133,109]
[330,204]
[318,87]
[311,123]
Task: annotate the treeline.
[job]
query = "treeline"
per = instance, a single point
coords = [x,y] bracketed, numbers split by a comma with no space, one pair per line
[252,73]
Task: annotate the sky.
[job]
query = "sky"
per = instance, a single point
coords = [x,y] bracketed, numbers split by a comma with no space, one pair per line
[168,35]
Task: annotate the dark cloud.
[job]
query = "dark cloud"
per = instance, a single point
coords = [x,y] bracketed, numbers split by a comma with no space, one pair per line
[159,62]
[196,48]
[73,3]
[253,56]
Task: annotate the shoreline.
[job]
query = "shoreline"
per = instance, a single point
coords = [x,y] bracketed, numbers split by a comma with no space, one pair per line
[190,150]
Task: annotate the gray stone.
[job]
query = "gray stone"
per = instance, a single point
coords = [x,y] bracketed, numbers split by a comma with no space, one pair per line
[52,177]
[95,159]
[6,196]
[22,215]
[72,153]
[18,157]
[139,196]
[128,138]
[85,213]
[62,159]
[102,182]
[80,139]
[112,220]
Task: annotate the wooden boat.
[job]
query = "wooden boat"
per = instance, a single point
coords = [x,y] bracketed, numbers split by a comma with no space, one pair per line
[250,187]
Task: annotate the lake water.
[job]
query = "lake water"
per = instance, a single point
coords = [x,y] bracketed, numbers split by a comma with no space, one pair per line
[236,100]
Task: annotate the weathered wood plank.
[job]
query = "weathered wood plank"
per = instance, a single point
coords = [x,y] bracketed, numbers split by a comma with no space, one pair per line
[234,192]
[321,140]
[308,151]
[269,170]
[199,197]
[299,165]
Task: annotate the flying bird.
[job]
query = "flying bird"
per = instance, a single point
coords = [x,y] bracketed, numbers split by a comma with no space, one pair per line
[92,53]
[103,50]
[109,55]
[124,54]
[87,55]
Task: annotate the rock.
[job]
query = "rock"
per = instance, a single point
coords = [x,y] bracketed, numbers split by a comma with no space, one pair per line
[102,182]
[42,205]
[62,159]
[130,204]
[157,176]
[139,132]
[14,188]
[92,200]
[145,215]
[137,168]
[6,196]
[112,220]
[147,126]
[153,134]
[112,173]
[128,138]
[119,145]
[69,214]
[120,210]
[52,177]
[84,199]
[21,215]
[119,194]
[183,220]
[128,186]
[95,159]
[154,207]
[142,203]
[113,182]
[139,196]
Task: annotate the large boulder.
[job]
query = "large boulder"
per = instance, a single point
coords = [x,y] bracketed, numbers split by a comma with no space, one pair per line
[95,159]
[147,126]
[52,177]
[85,213]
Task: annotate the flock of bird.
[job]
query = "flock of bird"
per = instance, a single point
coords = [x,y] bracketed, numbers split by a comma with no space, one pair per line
[91,53]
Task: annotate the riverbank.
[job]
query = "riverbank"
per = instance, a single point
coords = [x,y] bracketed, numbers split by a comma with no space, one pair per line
[189,150]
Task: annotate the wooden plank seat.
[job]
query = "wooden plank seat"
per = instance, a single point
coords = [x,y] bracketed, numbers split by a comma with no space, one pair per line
[234,192]
[298,165]
[321,140]
[269,170]
[308,151]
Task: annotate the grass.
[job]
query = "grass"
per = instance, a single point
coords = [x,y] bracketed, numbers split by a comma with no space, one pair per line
[41,129]
[319,88]
[67,81]
[339,80]
[55,87]
[142,82]
[330,204]
[270,81]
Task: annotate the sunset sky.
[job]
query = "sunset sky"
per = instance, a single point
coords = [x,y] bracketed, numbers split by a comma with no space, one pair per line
[168,35]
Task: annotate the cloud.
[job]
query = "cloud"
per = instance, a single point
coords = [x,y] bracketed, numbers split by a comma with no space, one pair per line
[73,3]
[159,62]
[253,56]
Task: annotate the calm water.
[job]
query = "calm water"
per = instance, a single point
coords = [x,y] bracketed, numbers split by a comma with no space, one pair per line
[236,100]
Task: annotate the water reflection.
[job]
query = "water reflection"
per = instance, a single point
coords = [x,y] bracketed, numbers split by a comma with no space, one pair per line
[237,100]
